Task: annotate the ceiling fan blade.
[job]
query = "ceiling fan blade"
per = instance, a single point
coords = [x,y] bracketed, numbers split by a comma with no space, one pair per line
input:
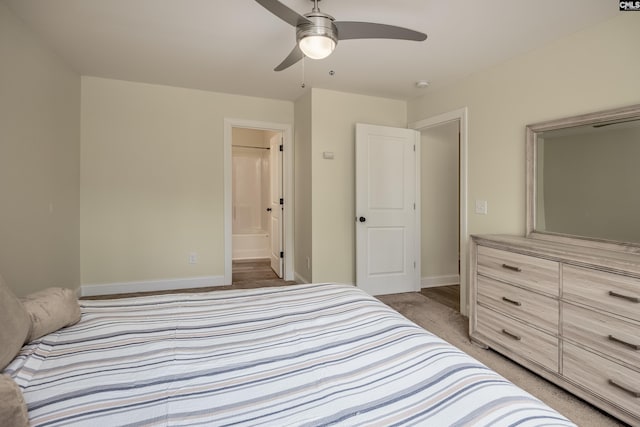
[283,12]
[368,30]
[295,56]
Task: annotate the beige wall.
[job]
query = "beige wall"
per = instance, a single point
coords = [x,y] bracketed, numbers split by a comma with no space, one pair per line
[302,184]
[587,71]
[334,116]
[152,178]
[39,162]
[439,184]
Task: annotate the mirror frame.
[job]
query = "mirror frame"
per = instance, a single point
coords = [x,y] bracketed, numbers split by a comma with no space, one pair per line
[532,131]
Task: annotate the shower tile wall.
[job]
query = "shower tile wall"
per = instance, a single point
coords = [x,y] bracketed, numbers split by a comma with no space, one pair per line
[250,190]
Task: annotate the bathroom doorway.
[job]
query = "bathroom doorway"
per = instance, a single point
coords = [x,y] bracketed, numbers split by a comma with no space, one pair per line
[257,196]
[288,250]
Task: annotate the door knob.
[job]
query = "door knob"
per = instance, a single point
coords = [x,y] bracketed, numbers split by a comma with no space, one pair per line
[362,219]
[268,209]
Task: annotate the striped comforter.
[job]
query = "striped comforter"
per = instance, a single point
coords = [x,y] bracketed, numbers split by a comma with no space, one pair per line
[318,354]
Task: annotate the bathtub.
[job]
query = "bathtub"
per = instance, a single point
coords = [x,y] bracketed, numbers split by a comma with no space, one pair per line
[251,246]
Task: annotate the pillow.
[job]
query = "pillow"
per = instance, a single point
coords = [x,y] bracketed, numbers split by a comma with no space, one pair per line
[14,325]
[13,409]
[50,310]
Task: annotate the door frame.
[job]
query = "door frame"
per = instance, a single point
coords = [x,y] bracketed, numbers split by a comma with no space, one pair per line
[276,189]
[287,190]
[460,115]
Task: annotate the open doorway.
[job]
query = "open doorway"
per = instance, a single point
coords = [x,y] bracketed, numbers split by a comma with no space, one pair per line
[440,212]
[256,194]
[448,123]
[258,197]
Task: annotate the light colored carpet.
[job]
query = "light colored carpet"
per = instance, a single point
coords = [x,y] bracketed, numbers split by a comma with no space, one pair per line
[453,327]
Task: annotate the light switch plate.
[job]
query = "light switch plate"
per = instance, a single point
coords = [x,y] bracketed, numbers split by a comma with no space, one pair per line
[481,207]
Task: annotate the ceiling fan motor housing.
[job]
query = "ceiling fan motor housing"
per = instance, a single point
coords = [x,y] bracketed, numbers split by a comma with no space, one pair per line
[321,25]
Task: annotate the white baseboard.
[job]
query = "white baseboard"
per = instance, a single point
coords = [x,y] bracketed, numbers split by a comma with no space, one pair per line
[250,254]
[435,281]
[251,258]
[299,279]
[151,285]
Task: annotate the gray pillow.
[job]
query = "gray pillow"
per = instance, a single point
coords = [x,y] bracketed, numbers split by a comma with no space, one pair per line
[14,325]
[13,409]
[50,310]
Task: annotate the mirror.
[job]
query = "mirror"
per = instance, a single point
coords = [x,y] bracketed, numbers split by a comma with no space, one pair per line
[583,179]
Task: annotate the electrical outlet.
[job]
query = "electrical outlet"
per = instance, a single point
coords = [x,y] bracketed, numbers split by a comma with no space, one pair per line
[481,207]
[193,258]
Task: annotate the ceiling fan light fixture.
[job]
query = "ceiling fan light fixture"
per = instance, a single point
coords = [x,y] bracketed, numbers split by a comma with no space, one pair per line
[317,47]
[318,36]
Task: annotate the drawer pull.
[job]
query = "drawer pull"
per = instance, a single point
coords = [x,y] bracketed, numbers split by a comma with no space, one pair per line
[625,388]
[511,267]
[512,335]
[510,301]
[627,297]
[628,344]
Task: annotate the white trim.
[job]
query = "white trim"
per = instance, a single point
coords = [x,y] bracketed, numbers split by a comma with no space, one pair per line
[249,258]
[462,116]
[417,212]
[287,179]
[300,279]
[151,285]
[435,281]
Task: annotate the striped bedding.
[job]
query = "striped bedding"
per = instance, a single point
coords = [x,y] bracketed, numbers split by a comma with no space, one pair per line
[304,355]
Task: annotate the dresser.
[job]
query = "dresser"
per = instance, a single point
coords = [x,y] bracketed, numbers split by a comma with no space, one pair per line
[569,313]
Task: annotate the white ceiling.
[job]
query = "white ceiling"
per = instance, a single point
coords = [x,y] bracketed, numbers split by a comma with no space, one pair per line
[233,45]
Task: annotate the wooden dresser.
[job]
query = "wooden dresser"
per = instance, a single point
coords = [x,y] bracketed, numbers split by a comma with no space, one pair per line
[569,313]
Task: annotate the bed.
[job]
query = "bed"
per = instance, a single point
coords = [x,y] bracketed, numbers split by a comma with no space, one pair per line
[303,355]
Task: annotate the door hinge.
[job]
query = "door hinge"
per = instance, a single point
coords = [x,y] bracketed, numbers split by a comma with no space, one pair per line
[282,201]
[414,147]
[281,254]
[281,147]
[414,206]
[414,264]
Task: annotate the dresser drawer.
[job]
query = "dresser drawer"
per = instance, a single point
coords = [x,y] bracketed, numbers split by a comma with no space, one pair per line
[534,273]
[619,385]
[606,291]
[608,335]
[527,306]
[521,339]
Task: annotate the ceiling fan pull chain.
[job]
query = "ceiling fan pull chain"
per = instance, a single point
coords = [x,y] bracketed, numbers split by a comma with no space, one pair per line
[302,85]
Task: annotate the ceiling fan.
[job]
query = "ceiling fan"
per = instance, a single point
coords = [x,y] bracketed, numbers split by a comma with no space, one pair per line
[317,33]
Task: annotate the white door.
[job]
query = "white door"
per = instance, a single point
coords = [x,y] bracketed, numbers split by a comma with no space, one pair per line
[386,243]
[275,231]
